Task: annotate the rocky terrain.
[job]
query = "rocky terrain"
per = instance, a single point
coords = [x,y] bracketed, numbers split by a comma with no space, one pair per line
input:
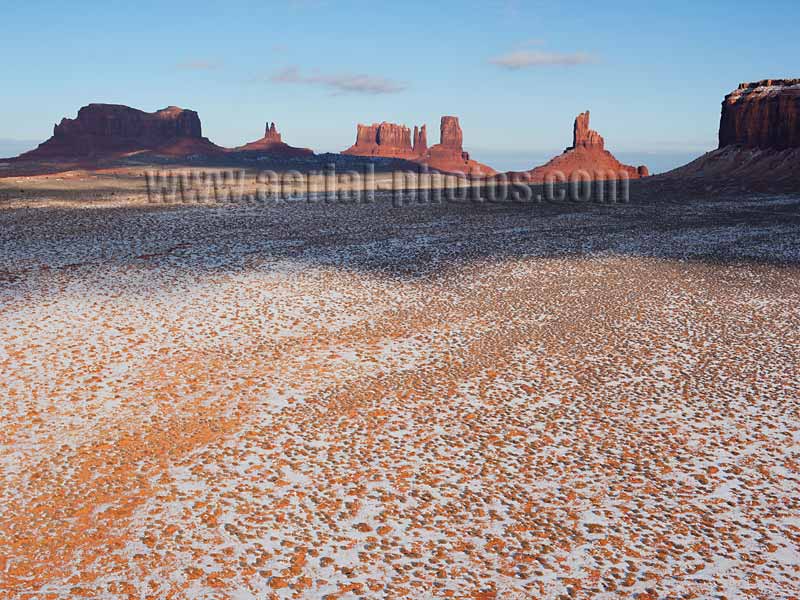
[733,168]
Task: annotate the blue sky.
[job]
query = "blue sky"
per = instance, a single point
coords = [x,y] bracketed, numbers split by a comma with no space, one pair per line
[516,73]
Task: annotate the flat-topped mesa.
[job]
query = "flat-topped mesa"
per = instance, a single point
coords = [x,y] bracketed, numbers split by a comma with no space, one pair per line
[584,137]
[763,114]
[272,145]
[388,140]
[123,122]
[101,129]
[586,158]
[448,155]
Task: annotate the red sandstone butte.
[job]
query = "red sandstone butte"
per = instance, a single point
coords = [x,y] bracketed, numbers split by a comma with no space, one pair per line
[113,129]
[448,155]
[586,158]
[763,114]
[759,143]
[395,141]
[389,140]
[272,144]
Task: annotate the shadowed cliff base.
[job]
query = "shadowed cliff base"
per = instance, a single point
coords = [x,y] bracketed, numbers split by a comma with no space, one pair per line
[734,169]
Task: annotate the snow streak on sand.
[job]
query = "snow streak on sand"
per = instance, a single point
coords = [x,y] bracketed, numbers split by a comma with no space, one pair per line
[239,410]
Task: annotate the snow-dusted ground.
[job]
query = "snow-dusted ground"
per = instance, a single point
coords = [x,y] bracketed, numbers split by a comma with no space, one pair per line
[310,401]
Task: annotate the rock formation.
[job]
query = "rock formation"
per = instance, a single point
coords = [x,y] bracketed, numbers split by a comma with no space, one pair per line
[587,158]
[448,155]
[111,129]
[583,137]
[388,140]
[273,145]
[271,132]
[450,134]
[763,114]
[420,140]
[395,141]
[759,144]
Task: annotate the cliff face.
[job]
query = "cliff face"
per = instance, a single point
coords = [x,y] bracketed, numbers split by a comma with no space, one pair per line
[112,128]
[587,157]
[763,114]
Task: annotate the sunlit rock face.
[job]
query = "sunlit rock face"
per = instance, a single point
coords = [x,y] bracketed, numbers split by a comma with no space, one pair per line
[763,114]
[389,140]
[449,155]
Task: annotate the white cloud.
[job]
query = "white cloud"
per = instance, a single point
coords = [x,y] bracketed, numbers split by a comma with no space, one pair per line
[341,82]
[521,59]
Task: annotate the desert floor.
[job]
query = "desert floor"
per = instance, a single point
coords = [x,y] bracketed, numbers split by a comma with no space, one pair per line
[367,401]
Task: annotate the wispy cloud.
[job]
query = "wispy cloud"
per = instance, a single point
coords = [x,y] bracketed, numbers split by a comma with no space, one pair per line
[198,65]
[522,59]
[340,82]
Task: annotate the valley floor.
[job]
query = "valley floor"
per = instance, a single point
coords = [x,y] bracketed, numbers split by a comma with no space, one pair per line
[336,401]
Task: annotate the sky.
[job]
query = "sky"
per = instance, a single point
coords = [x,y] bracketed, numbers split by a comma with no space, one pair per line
[517,73]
